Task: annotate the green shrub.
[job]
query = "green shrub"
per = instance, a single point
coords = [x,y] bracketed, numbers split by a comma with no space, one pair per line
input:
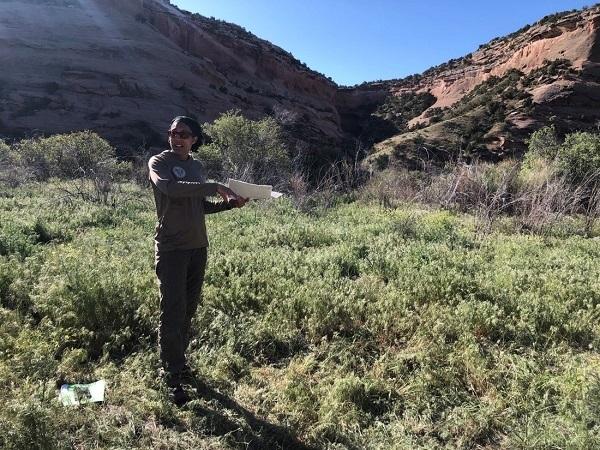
[31,426]
[536,171]
[11,173]
[247,149]
[543,143]
[5,153]
[579,156]
[74,155]
[97,294]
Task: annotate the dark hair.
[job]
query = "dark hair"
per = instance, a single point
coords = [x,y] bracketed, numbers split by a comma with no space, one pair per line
[194,127]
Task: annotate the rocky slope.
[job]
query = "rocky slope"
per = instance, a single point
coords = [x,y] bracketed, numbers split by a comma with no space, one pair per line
[486,103]
[124,68]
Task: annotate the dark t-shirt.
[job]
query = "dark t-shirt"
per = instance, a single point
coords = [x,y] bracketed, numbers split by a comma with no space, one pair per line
[180,191]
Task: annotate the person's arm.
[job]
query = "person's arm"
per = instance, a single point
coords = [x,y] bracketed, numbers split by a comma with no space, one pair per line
[161,177]
[225,205]
[215,207]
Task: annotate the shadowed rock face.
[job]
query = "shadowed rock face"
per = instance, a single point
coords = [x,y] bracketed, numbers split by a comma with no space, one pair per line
[124,68]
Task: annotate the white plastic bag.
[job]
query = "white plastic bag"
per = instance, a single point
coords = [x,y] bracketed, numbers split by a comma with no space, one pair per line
[78,394]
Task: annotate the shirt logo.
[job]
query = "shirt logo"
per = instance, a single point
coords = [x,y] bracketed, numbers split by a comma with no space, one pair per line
[179,172]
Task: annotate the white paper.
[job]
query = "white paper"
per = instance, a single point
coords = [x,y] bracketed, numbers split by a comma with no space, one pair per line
[252,191]
[78,394]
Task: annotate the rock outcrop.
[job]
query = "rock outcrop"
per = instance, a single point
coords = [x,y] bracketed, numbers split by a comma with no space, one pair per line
[124,68]
[488,102]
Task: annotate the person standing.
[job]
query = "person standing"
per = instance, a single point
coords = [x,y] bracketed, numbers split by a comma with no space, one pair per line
[180,193]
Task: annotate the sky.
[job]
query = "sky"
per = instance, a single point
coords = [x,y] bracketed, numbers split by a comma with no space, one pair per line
[353,41]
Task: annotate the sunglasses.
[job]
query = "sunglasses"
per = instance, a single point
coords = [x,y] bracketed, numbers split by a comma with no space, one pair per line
[180,134]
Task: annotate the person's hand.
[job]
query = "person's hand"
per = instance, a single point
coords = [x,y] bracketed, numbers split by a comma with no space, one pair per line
[230,197]
[238,202]
[226,193]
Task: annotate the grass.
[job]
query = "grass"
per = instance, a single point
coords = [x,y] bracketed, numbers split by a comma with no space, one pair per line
[351,327]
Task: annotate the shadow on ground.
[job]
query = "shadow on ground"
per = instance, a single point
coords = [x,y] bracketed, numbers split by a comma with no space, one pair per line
[240,427]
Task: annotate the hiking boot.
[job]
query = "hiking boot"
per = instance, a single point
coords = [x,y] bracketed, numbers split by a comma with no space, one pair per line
[187,375]
[178,396]
[195,382]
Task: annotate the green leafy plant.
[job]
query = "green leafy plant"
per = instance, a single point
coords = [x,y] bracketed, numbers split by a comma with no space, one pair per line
[370,324]
[245,149]
[72,155]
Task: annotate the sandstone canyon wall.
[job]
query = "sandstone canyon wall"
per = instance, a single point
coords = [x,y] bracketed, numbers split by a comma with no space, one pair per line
[569,97]
[125,67]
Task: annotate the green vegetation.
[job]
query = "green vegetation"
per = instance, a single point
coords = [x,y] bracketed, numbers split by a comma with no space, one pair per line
[493,90]
[400,109]
[544,144]
[466,128]
[577,158]
[357,325]
[246,149]
[486,107]
[67,156]
[550,71]
[393,116]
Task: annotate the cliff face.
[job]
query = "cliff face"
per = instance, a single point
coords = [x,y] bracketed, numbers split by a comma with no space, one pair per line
[486,103]
[125,67]
[570,38]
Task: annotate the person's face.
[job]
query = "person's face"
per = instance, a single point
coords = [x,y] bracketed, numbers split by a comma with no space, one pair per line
[181,139]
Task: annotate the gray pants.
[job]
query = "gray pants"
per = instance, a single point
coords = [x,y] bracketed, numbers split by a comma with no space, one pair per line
[180,276]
